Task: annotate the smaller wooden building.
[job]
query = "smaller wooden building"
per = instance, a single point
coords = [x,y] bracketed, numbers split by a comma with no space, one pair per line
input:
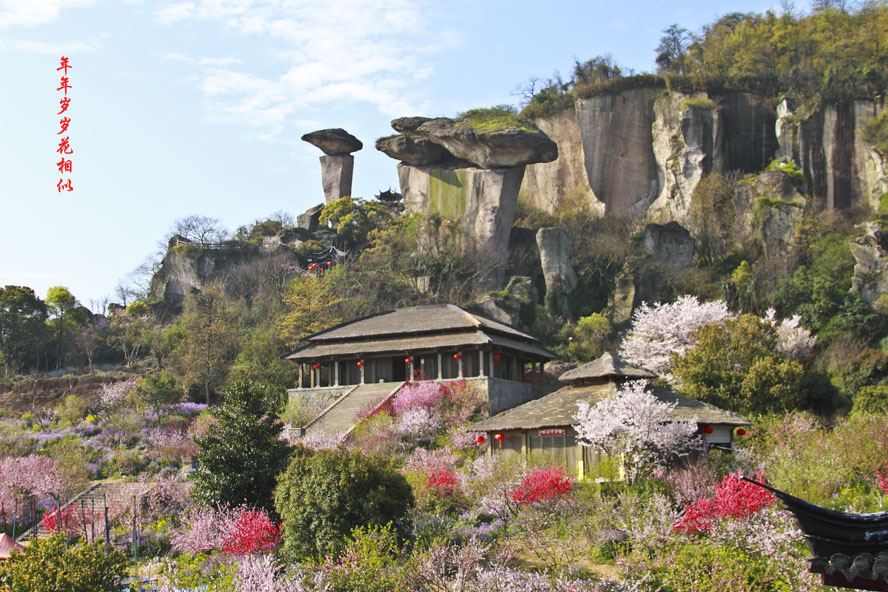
[544,427]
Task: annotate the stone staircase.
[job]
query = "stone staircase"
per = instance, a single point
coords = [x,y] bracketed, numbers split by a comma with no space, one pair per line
[96,494]
[341,417]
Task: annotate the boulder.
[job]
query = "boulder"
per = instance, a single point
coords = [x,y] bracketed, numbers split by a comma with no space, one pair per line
[514,306]
[669,243]
[411,150]
[555,245]
[336,176]
[870,278]
[623,300]
[503,148]
[310,219]
[334,141]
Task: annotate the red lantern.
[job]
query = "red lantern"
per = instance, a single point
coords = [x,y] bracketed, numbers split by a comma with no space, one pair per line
[708,430]
[329,264]
[499,437]
[497,357]
[316,366]
[741,432]
[360,363]
[456,356]
[480,440]
[408,360]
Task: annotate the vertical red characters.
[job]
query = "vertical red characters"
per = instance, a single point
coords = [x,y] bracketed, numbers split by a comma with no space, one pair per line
[64,149]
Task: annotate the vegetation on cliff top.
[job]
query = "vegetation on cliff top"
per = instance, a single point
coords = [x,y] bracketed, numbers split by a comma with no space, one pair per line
[832,55]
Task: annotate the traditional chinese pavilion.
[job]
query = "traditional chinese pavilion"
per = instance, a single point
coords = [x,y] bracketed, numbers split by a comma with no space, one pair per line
[362,363]
[545,426]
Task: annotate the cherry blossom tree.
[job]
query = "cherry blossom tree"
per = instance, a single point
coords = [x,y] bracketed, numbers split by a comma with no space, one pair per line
[793,340]
[637,427]
[661,330]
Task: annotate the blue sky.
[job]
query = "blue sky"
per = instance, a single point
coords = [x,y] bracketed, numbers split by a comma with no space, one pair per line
[197,107]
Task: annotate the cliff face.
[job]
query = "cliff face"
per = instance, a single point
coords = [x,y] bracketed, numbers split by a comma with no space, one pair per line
[644,150]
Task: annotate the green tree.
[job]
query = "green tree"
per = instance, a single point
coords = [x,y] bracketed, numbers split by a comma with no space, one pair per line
[354,218]
[736,365]
[158,390]
[65,318]
[129,330]
[324,495]
[311,306]
[22,327]
[588,339]
[241,457]
[50,565]
[208,341]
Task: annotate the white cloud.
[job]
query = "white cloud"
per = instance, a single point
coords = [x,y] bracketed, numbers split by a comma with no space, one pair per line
[35,12]
[62,47]
[337,51]
[218,62]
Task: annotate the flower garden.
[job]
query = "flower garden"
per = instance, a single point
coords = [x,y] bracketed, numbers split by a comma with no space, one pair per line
[411,501]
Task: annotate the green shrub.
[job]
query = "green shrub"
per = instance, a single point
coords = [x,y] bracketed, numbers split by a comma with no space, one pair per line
[789,167]
[492,119]
[49,565]
[324,495]
[871,399]
[73,409]
[875,133]
[373,563]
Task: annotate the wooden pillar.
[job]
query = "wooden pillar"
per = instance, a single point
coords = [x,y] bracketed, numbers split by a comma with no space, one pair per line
[459,367]
[312,381]
[410,367]
[362,374]
[336,373]
[439,367]
[301,368]
[481,363]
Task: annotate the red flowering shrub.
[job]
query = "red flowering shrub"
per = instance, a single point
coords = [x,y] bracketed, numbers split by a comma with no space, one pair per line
[252,532]
[734,498]
[883,481]
[72,520]
[542,485]
[442,482]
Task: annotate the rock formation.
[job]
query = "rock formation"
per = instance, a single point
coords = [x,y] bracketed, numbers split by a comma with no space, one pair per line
[669,243]
[310,219]
[337,166]
[767,212]
[871,268]
[562,182]
[514,305]
[555,245]
[468,178]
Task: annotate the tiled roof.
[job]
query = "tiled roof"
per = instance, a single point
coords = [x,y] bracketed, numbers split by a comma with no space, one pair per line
[558,409]
[436,318]
[605,366]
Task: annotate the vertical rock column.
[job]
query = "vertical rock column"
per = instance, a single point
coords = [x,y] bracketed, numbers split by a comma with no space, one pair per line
[338,165]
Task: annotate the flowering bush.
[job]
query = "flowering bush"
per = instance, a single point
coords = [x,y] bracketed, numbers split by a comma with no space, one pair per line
[637,427]
[418,424]
[734,498]
[425,394]
[541,486]
[660,331]
[883,481]
[252,532]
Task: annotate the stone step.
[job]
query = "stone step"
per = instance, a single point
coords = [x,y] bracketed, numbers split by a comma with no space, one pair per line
[342,416]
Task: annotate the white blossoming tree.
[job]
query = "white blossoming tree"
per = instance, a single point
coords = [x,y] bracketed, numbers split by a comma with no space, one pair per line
[663,329]
[637,427]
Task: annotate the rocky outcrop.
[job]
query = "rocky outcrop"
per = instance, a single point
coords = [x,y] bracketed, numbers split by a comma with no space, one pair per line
[555,245]
[181,273]
[513,305]
[562,182]
[336,175]
[623,299]
[617,146]
[841,170]
[687,141]
[310,219]
[334,141]
[669,243]
[503,148]
[412,151]
[480,202]
[768,212]
[870,252]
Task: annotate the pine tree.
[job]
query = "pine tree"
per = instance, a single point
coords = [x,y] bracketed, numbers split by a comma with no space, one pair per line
[240,458]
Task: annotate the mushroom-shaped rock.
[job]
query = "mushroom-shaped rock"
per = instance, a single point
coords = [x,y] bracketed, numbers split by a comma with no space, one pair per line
[412,151]
[334,141]
[498,148]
